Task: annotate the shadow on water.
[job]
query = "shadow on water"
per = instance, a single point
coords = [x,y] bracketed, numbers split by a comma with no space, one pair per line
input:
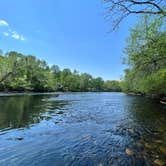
[23,110]
[147,128]
[143,127]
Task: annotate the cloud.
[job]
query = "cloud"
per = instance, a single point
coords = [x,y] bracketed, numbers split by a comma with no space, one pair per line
[5,33]
[4,23]
[22,38]
[14,35]
[17,36]
[10,33]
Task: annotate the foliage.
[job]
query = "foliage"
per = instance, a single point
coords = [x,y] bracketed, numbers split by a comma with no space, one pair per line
[146,57]
[112,86]
[20,72]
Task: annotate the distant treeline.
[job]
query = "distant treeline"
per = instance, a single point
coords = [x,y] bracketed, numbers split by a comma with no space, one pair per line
[20,72]
[146,57]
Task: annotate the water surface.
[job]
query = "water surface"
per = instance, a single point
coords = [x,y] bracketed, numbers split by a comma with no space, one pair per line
[81,129]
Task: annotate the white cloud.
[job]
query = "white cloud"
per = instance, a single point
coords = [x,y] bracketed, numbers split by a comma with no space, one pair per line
[4,23]
[17,36]
[5,33]
[10,33]
[22,38]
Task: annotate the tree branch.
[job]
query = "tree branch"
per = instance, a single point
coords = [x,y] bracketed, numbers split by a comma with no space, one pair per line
[120,9]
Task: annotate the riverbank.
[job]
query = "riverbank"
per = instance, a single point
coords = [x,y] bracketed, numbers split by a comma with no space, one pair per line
[50,92]
[160,98]
[3,94]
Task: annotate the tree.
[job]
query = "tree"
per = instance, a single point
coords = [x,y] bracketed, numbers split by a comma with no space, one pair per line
[146,57]
[146,41]
[85,82]
[9,65]
[118,10]
[112,86]
[97,84]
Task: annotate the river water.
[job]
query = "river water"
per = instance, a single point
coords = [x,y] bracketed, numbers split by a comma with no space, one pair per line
[86,129]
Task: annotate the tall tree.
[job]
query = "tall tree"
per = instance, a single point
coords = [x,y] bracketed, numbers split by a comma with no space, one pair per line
[146,57]
[9,65]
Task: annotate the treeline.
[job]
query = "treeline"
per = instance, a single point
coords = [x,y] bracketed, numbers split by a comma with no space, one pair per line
[20,72]
[146,58]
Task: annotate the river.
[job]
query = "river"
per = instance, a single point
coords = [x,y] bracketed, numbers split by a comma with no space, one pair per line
[86,129]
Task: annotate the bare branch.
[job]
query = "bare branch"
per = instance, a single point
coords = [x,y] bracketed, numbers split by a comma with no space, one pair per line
[120,9]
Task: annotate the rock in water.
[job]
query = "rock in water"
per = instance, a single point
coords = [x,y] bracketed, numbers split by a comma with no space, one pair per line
[159,162]
[131,131]
[147,145]
[129,152]
[163,149]
[19,138]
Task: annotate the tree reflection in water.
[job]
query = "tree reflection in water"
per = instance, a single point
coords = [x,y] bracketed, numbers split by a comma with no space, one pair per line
[23,110]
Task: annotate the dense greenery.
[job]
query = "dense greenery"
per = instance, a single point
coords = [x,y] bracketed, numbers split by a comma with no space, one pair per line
[27,73]
[146,57]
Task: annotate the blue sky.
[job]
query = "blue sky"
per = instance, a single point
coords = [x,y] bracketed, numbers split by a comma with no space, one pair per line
[72,34]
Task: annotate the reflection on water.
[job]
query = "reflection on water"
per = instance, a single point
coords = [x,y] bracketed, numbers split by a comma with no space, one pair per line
[21,111]
[82,129]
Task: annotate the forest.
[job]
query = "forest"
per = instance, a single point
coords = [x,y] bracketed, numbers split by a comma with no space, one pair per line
[146,57]
[20,72]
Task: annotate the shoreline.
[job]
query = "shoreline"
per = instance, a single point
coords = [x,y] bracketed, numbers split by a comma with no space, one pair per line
[160,98]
